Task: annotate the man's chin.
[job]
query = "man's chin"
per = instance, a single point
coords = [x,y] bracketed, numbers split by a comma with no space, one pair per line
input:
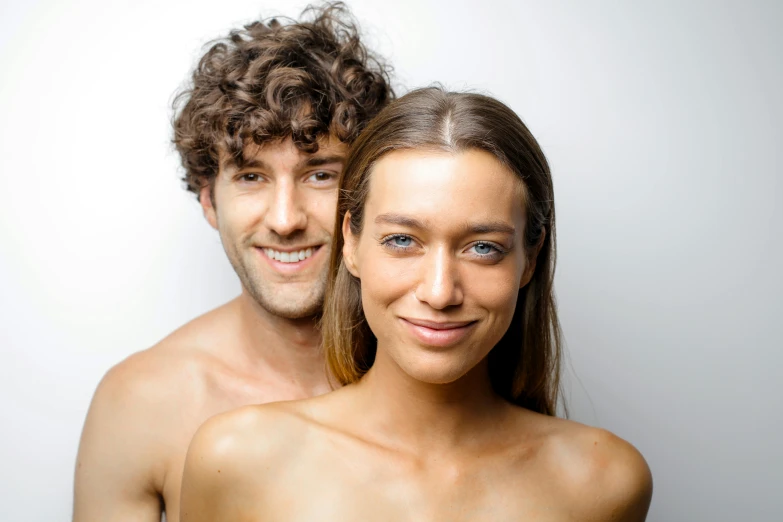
[289,305]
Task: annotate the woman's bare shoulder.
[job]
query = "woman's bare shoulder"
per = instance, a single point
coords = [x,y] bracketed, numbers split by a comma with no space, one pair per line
[234,457]
[601,475]
[235,443]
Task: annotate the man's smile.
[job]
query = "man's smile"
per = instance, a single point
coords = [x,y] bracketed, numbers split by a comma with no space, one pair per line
[292,259]
[289,255]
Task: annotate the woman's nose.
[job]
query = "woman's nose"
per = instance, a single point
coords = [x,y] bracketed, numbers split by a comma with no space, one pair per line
[439,285]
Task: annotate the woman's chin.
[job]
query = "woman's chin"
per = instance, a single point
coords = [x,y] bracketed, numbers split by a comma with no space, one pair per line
[436,368]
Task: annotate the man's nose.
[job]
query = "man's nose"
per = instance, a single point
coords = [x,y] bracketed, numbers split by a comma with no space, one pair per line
[439,284]
[286,213]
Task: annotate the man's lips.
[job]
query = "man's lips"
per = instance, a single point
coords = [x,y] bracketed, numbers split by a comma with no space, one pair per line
[289,258]
[290,248]
[438,333]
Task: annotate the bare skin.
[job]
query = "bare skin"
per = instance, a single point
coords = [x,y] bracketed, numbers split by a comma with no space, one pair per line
[422,436]
[261,347]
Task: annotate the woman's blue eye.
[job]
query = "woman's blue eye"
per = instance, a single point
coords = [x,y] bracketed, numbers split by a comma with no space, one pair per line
[398,242]
[401,241]
[484,248]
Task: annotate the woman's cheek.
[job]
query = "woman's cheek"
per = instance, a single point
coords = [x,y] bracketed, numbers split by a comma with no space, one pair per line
[496,293]
[386,279]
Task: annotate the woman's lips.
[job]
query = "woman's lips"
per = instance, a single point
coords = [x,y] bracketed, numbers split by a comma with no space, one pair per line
[434,333]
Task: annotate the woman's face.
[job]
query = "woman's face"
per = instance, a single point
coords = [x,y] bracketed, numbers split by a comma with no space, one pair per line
[441,259]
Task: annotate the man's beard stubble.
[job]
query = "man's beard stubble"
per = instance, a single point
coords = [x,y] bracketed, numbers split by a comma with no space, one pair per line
[278,301]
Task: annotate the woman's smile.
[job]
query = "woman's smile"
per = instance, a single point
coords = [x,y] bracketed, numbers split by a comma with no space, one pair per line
[435,333]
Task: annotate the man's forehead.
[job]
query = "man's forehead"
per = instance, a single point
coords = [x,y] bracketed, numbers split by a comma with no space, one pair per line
[284,151]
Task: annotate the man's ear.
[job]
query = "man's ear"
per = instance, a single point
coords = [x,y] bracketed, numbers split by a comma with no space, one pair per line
[350,242]
[530,267]
[205,198]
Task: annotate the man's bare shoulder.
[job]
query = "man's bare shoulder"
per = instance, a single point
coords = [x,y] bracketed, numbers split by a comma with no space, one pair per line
[141,417]
[603,476]
[169,369]
[146,395]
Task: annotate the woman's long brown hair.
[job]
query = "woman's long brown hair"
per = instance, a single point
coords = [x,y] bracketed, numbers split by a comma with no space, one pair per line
[525,365]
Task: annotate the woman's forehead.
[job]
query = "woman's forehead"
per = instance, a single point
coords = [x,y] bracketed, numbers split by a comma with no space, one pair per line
[459,186]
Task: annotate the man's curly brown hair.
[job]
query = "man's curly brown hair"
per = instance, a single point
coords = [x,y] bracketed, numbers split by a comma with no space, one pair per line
[303,80]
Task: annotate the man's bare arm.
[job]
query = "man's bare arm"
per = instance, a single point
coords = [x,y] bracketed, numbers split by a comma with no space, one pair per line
[118,454]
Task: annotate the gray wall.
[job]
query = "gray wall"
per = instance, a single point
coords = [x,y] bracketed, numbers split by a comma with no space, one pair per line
[662,122]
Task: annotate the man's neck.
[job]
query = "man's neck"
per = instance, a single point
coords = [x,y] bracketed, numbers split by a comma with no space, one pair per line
[286,350]
[433,418]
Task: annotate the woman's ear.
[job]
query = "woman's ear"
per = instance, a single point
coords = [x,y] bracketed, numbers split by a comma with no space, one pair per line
[350,242]
[530,266]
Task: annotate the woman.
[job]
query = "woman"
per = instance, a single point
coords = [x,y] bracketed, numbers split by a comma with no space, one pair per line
[441,323]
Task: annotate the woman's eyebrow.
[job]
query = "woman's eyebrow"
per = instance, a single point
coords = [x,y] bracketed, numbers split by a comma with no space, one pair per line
[398,219]
[489,227]
[478,227]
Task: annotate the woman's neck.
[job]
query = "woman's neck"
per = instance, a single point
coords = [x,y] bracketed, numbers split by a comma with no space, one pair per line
[410,414]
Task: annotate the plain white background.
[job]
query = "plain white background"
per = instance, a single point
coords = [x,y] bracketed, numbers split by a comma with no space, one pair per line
[662,122]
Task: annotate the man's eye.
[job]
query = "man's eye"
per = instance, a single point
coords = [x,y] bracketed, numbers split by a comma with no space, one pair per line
[322,176]
[250,177]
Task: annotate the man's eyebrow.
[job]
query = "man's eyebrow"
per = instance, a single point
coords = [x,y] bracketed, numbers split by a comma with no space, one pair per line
[314,161]
[317,161]
[255,163]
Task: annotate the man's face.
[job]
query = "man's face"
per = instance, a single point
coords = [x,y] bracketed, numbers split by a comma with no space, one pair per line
[275,217]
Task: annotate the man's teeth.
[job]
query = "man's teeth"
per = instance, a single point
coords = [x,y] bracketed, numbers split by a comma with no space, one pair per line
[288,257]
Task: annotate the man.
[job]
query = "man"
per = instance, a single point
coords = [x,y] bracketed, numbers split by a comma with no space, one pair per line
[262,132]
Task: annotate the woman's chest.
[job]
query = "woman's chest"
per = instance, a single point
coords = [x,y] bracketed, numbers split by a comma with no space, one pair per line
[344,489]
